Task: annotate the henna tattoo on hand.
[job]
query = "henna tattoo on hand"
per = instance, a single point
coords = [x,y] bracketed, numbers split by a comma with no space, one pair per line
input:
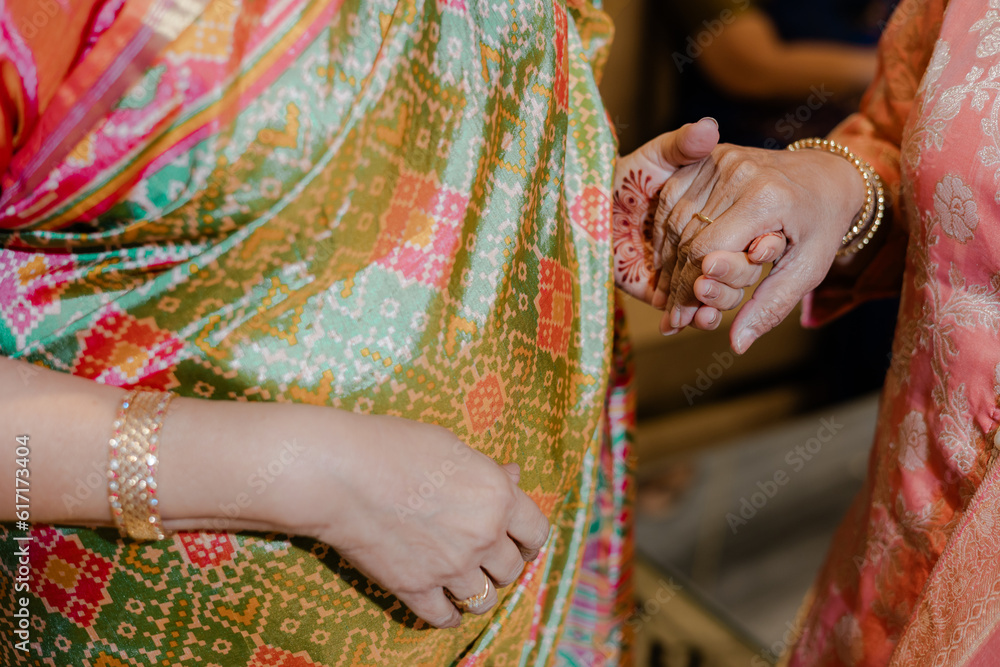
[633,208]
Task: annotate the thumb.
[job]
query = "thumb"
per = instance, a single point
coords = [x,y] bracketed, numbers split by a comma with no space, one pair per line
[687,145]
[774,299]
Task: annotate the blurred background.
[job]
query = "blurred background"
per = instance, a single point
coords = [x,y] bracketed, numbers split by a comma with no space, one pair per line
[745,464]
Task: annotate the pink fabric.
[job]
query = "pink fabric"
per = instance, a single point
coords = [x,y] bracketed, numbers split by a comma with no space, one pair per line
[913,577]
[989,654]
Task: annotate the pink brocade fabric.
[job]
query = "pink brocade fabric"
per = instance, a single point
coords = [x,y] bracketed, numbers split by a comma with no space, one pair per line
[913,577]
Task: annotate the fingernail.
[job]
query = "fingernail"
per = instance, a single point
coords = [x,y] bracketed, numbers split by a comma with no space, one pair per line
[711,119]
[715,317]
[744,340]
[659,300]
[763,258]
[716,269]
[710,291]
[665,328]
[675,317]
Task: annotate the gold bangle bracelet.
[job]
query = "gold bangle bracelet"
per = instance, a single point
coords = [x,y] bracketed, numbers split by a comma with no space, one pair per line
[869,219]
[862,241]
[133,455]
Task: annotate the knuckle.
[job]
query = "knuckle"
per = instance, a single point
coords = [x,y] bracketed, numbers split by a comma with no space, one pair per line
[699,248]
[512,573]
[768,317]
[679,217]
[674,227]
[753,274]
[735,164]
[493,523]
[494,490]
[683,251]
[528,555]
[770,192]
[509,502]
[744,275]
[442,619]
[670,196]
[491,531]
[542,536]
[744,170]
[455,562]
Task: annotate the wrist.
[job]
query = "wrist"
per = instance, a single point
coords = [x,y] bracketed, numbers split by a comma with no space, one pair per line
[307,472]
[229,465]
[853,187]
[209,455]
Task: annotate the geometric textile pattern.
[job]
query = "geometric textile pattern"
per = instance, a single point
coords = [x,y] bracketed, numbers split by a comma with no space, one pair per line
[377,206]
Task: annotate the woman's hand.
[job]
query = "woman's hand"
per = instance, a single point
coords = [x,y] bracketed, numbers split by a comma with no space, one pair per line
[407,503]
[639,179]
[416,510]
[722,286]
[809,196]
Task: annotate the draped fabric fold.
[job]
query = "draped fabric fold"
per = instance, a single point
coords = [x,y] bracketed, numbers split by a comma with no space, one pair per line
[387,207]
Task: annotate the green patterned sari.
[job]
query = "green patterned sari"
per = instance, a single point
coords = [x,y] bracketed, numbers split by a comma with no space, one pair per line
[395,208]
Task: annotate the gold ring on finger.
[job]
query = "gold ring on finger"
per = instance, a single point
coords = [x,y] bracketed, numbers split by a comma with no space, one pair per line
[704,218]
[474,603]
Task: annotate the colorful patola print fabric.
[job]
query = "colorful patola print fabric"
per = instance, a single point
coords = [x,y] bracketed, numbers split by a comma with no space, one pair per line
[394,208]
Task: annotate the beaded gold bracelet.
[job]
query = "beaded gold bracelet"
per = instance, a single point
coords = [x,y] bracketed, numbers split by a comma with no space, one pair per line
[132,459]
[869,219]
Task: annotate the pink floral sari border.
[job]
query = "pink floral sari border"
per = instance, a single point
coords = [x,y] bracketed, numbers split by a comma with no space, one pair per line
[957,620]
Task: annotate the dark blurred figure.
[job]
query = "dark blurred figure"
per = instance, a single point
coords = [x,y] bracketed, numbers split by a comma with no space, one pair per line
[770,71]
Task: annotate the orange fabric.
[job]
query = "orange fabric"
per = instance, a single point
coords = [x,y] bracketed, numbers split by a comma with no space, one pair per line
[51,34]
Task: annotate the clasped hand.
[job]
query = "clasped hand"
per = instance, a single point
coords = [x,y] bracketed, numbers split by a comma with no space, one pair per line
[694,223]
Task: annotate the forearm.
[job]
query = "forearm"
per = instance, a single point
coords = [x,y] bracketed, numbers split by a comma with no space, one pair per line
[407,504]
[220,462]
[66,423]
[802,69]
[750,59]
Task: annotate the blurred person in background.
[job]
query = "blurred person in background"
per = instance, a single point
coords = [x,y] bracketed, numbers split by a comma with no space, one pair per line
[770,71]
